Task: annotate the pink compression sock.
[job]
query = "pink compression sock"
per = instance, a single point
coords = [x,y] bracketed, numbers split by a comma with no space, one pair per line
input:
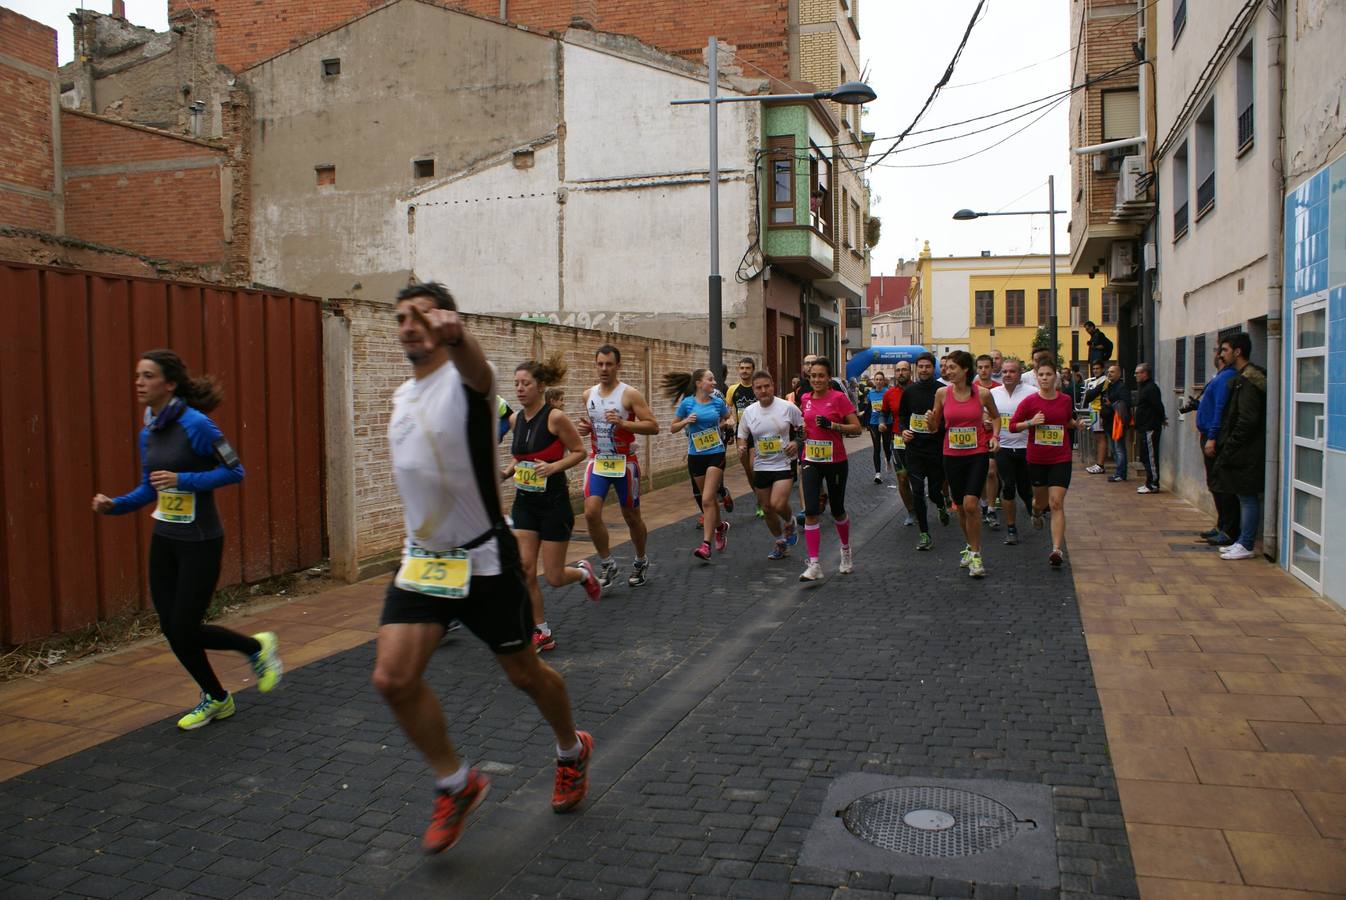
[844,532]
[813,539]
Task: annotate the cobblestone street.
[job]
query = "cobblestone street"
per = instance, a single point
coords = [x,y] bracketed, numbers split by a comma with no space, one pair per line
[724,699]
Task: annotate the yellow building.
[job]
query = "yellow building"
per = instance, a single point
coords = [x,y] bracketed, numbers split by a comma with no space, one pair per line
[980,303]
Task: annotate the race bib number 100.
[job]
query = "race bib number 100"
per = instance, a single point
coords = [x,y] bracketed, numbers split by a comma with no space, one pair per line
[964,437]
[178,507]
[445,575]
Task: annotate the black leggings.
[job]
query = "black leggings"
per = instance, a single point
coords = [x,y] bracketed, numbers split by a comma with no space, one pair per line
[834,474]
[883,446]
[920,471]
[1011,464]
[183,575]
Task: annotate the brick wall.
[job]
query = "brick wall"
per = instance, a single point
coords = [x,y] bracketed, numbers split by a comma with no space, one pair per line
[147,191]
[379,366]
[1106,45]
[249,31]
[27,140]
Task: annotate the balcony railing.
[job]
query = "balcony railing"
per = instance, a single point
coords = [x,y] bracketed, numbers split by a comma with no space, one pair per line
[1205,195]
[1179,221]
[1245,128]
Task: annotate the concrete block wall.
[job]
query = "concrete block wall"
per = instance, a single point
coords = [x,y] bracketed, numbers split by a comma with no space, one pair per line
[361,352]
[169,186]
[28,141]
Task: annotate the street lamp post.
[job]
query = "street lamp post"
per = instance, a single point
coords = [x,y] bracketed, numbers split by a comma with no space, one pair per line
[1051,212]
[852,93]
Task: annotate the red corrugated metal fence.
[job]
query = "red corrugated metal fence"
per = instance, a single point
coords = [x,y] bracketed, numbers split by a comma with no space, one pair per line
[69,423]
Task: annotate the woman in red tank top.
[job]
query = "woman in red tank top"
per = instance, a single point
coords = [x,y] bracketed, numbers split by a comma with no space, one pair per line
[964,410]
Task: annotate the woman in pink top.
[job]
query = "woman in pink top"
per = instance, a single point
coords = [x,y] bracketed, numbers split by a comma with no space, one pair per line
[964,411]
[1048,418]
[828,416]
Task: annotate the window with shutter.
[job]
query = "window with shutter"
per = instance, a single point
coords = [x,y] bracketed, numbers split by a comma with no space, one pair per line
[1121,114]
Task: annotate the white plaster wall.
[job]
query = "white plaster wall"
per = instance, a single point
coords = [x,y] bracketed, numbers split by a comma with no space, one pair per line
[1315,90]
[619,122]
[950,306]
[491,237]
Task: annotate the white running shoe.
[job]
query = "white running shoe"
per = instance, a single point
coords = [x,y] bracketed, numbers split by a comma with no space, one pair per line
[1236,551]
[878,478]
[846,567]
[814,572]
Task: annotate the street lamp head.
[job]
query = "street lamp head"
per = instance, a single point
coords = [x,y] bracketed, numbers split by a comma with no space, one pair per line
[852,93]
[964,215]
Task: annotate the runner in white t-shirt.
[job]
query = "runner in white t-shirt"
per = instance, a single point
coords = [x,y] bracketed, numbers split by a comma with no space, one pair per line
[770,430]
[1012,457]
[460,560]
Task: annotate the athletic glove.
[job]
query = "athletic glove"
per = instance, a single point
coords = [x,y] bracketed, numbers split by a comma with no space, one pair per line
[823,421]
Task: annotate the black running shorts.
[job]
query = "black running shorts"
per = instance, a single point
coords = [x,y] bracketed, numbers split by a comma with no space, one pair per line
[763,480]
[698,464]
[551,517]
[966,475]
[1050,474]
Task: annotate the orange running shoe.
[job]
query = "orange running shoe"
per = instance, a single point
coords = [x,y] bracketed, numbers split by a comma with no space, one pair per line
[572,777]
[451,811]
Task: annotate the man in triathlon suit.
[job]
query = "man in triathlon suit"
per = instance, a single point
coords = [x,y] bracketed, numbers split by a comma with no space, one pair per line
[740,397]
[460,560]
[615,413]
[988,379]
[1012,457]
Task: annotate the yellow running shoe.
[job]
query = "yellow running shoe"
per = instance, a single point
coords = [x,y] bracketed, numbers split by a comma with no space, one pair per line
[266,664]
[207,710]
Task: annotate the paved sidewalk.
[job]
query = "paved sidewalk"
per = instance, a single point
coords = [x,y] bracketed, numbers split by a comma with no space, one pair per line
[1223,686]
[725,699]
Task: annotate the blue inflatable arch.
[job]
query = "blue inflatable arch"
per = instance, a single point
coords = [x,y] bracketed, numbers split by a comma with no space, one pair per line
[879,356]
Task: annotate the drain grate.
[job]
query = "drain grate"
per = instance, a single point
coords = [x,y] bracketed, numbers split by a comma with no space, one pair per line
[931,821]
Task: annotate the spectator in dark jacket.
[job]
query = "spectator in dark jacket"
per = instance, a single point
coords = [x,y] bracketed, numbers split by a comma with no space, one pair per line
[1150,420]
[1100,345]
[1240,446]
[1209,414]
[1116,402]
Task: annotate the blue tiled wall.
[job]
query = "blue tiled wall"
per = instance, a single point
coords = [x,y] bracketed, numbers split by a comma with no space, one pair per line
[1306,241]
[1336,369]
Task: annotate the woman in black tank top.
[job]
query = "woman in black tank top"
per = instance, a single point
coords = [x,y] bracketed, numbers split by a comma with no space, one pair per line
[545,444]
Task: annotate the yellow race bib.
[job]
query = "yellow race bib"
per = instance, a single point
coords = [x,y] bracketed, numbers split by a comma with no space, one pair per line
[1004,422]
[447,575]
[898,443]
[707,441]
[526,477]
[818,451]
[769,445]
[178,507]
[963,437]
[1050,435]
[918,423]
[610,465]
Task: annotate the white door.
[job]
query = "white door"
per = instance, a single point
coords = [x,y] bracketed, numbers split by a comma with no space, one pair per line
[1309,374]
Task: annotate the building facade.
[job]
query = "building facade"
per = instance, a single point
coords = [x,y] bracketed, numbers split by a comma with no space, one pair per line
[890,302]
[981,303]
[1112,199]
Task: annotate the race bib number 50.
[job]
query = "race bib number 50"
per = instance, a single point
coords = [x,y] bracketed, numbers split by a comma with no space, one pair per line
[445,575]
[769,445]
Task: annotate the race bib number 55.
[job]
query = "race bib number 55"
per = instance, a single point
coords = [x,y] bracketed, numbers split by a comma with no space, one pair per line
[445,575]
[918,423]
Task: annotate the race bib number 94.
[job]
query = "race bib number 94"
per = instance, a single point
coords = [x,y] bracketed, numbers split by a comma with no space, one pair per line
[610,465]
[178,507]
[445,575]
[964,437]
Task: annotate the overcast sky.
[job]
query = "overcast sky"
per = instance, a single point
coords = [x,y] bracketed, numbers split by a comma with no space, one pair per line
[1017,53]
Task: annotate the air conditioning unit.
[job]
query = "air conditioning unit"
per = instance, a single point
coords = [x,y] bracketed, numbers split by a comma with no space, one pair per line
[1151,256]
[1122,266]
[1129,185]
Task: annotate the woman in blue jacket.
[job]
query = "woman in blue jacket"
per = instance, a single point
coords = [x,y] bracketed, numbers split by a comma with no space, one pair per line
[183,459]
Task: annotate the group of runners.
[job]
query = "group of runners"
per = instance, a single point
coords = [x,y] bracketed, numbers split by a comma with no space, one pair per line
[939,436]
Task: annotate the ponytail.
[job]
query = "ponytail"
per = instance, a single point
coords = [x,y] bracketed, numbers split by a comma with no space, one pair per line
[203,393]
[676,385]
[552,371]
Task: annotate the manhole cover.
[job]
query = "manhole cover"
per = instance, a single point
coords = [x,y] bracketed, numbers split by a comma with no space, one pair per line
[931,821]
